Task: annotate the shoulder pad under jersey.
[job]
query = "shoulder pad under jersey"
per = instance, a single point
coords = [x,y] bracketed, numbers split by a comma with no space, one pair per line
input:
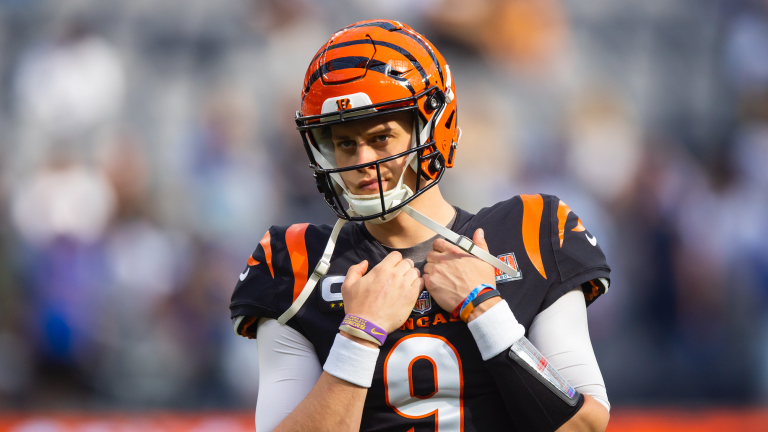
[275,274]
[549,242]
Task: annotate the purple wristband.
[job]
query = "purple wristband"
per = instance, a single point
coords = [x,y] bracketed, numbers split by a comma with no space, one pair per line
[367,327]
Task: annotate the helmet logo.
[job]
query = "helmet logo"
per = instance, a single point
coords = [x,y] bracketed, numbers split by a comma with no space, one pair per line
[343,104]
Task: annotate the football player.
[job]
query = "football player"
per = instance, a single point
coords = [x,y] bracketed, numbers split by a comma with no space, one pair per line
[417,315]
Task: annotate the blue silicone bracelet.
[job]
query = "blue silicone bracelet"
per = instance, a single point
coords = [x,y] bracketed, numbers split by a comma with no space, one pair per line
[474,294]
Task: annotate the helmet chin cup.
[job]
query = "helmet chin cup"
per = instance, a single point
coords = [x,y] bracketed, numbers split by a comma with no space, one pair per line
[366,205]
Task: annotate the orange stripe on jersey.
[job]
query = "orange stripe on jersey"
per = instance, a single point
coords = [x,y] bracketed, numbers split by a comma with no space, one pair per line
[562,215]
[267,246]
[533,207]
[297,250]
[252,262]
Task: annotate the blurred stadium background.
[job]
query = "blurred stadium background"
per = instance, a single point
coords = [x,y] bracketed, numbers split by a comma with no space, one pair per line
[146,146]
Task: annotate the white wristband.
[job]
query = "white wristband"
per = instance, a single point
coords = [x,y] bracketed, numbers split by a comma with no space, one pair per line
[351,361]
[496,330]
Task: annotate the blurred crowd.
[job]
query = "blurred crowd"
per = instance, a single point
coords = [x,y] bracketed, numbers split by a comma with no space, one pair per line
[145,147]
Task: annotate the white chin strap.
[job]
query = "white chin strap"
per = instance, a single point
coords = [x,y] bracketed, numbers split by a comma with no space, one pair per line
[325,261]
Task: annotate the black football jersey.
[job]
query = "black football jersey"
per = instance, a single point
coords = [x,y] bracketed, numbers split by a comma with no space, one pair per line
[430,371]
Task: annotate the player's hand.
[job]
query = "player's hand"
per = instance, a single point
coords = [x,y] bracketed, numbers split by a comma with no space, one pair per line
[386,295]
[451,274]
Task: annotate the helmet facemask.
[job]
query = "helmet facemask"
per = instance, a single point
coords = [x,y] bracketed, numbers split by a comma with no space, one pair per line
[382,206]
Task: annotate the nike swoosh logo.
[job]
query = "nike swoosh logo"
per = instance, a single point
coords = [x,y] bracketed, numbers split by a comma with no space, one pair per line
[592,240]
[244,274]
[377,333]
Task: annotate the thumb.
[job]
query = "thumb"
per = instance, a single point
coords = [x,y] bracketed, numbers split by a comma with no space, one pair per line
[356,272]
[479,239]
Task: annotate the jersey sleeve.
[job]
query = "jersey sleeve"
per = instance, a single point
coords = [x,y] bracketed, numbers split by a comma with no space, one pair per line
[264,288]
[276,273]
[579,260]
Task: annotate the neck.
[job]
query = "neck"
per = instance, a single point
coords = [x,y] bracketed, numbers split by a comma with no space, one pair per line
[403,231]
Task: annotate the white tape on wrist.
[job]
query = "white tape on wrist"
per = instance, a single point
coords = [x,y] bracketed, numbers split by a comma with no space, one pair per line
[351,361]
[496,330]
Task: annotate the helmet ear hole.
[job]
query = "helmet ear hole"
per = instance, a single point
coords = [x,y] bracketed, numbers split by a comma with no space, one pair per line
[451,155]
[449,122]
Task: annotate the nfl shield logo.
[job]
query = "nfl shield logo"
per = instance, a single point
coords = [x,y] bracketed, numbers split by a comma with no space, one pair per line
[511,261]
[423,303]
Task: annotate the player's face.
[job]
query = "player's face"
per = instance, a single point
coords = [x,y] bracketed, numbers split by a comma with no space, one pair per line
[368,140]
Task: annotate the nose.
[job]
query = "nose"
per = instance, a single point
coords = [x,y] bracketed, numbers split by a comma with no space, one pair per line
[365,154]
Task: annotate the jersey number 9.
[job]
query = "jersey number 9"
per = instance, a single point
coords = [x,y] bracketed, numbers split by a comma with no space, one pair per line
[446,401]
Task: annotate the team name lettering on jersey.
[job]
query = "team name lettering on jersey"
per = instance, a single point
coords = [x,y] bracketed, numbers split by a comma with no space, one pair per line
[427,321]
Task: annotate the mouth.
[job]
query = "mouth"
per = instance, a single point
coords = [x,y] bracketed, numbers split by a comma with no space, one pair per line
[371,186]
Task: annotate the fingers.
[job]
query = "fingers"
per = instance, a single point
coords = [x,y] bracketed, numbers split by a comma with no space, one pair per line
[441,245]
[403,266]
[479,239]
[356,272]
[429,268]
[363,267]
[444,246]
[418,284]
[411,275]
[391,260]
[427,280]
[432,256]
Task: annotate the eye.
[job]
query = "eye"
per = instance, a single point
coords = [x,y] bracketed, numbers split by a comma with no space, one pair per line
[346,144]
[380,138]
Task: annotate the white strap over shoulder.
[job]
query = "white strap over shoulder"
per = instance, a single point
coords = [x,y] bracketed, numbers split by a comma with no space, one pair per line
[324,264]
[463,242]
[320,270]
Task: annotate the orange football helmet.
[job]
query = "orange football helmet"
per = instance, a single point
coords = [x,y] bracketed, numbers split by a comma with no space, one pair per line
[374,68]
